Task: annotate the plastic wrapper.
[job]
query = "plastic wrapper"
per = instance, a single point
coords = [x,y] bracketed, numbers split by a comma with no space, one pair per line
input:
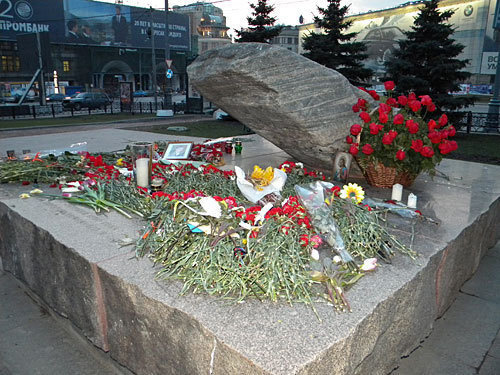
[75,148]
[396,208]
[254,195]
[312,198]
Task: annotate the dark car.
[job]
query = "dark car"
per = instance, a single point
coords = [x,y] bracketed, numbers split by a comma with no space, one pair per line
[55,97]
[87,100]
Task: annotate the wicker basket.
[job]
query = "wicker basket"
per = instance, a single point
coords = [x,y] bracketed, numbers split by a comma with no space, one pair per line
[381,176]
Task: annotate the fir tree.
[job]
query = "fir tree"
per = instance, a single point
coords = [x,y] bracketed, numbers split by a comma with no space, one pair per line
[333,49]
[260,28]
[426,61]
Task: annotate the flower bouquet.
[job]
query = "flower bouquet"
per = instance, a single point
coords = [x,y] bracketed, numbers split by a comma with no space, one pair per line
[398,139]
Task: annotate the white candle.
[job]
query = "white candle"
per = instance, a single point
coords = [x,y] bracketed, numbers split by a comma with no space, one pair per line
[397,192]
[142,172]
[412,201]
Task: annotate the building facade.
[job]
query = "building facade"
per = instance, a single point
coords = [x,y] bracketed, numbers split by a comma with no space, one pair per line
[208,26]
[93,45]
[472,19]
[288,38]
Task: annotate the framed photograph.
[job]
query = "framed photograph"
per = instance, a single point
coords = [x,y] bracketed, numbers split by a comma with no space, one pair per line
[178,151]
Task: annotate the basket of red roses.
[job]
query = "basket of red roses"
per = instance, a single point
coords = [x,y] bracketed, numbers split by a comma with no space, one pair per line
[398,139]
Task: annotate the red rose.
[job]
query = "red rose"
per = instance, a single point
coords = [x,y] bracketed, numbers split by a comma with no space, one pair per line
[451,131]
[400,155]
[393,133]
[367,149]
[427,152]
[382,117]
[365,116]
[353,150]
[375,128]
[453,145]
[444,147]
[355,108]
[435,136]
[389,85]
[412,126]
[348,140]
[412,96]
[387,139]
[425,100]
[384,108]
[417,145]
[431,125]
[374,94]
[361,103]
[431,107]
[356,129]
[392,102]
[402,100]
[398,119]
[415,105]
[443,120]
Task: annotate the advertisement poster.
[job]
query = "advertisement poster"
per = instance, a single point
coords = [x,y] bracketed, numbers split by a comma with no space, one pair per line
[126,98]
[92,23]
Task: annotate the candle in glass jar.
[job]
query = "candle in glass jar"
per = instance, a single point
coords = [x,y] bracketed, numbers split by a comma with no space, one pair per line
[142,172]
[412,201]
[397,192]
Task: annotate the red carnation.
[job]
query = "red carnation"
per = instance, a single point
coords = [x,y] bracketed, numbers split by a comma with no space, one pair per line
[435,136]
[361,103]
[384,108]
[427,152]
[348,140]
[353,150]
[398,119]
[367,149]
[412,96]
[444,147]
[431,107]
[417,145]
[387,139]
[402,100]
[356,129]
[389,85]
[400,155]
[355,108]
[365,116]
[451,131]
[393,133]
[392,102]
[412,126]
[443,120]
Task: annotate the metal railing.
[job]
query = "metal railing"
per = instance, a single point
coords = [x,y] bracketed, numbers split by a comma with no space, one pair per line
[474,122]
[25,111]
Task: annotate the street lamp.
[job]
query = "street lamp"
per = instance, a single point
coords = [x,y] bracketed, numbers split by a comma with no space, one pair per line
[494,103]
[168,83]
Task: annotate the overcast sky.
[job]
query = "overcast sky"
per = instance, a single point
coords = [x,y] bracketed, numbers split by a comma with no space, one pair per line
[286,11]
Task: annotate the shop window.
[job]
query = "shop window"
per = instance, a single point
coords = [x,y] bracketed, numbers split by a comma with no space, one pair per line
[10,64]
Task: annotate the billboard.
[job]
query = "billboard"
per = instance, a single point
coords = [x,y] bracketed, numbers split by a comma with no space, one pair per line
[92,23]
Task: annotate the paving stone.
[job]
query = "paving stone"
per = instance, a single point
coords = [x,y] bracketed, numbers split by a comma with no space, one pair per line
[484,284]
[495,347]
[465,333]
[491,366]
[427,362]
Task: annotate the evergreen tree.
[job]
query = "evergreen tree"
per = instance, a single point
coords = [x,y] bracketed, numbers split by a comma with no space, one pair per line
[426,62]
[260,28]
[333,49]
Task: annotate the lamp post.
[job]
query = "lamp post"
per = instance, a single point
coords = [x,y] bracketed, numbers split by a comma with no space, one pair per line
[168,83]
[494,104]
[153,57]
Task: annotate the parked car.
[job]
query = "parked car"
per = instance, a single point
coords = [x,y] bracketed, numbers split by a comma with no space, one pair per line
[87,100]
[55,97]
[140,93]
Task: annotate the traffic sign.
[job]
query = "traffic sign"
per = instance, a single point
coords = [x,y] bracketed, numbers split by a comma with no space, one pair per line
[169,63]
[169,73]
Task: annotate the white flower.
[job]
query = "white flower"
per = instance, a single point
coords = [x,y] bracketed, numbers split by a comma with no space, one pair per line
[211,207]
[369,264]
[24,196]
[315,254]
[300,165]
[337,259]
[262,213]
[70,190]
[245,225]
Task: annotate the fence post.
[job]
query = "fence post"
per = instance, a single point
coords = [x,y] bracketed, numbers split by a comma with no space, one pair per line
[71,111]
[111,108]
[140,108]
[469,122]
[121,106]
[53,112]
[34,111]
[150,107]
[14,112]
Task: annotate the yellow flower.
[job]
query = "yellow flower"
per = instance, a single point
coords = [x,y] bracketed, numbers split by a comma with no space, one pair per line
[262,177]
[36,191]
[119,162]
[24,195]
[353,191]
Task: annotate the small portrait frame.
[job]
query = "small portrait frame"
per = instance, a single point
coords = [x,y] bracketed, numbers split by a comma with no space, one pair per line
[178,151]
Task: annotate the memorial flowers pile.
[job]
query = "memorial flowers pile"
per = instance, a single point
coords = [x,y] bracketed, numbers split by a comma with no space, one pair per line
[200,229]
[400,133]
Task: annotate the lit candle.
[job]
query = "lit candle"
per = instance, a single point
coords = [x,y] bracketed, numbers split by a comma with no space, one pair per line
[412,201]
[142,172]
[397,192]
